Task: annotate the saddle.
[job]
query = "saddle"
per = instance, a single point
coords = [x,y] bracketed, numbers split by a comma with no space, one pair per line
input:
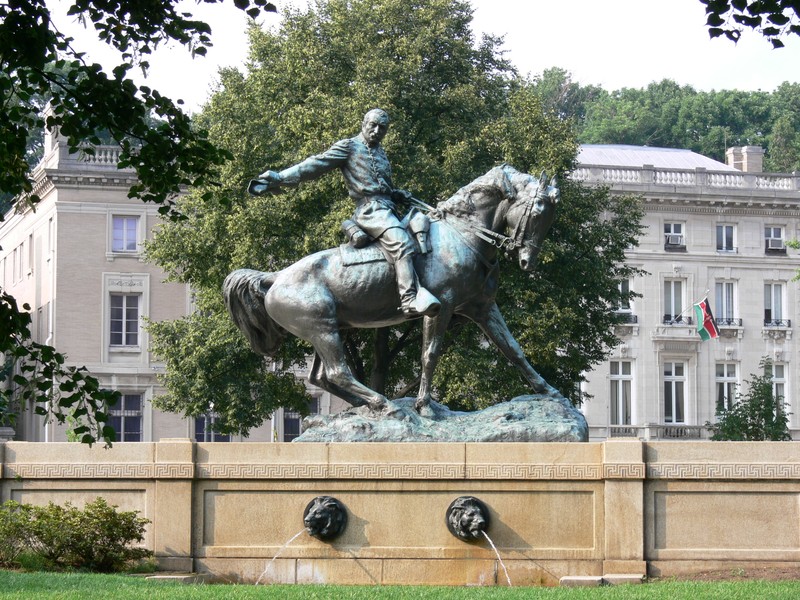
[361,247]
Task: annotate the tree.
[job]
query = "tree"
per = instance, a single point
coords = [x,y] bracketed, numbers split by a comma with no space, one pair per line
[158,140]
[760,415]
[773,19]
[565,98]
[458,108]
[668,115]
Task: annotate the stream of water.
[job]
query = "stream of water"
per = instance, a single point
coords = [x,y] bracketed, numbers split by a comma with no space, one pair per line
[286,545]
[500,560]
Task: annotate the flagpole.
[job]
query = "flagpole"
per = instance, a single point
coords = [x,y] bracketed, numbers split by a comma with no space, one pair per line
[691,306]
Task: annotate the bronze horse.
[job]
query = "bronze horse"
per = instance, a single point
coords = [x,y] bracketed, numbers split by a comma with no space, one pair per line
[319,296]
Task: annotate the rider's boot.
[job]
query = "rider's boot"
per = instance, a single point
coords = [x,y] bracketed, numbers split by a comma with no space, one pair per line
[415,300]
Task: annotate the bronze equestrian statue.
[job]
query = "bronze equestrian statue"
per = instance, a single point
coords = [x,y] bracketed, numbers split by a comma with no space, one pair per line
[453,255]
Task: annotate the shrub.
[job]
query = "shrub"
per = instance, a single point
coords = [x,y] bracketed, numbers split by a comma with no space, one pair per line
[756,416]
[13,532]
[105,538]
[97,538]
[52,530]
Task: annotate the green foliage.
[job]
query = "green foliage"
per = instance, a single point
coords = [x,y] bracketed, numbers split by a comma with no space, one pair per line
[757,416]
[205,357]
[13,539]
[38,66]
[457,109]
[773,19]
[36,374]
[668,115]
[97,538]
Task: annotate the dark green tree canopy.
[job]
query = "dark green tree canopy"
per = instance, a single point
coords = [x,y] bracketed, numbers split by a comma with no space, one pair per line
[666,114]
[458,108]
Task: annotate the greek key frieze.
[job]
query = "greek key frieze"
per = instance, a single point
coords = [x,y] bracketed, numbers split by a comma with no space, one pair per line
[534,471]
[397,471]
[623,471]
[173,471]
[723,471]
[261,471]
[98,471]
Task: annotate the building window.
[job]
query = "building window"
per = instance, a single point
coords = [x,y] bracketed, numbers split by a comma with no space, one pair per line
[204,430]
[773,305]
[124,319]
[725,305]
[31,256]
[674,387]
[621,384]
[673,237]
[773,240]
[726,385]
[292,420]
[725,241]
[673,302]
[124,234]
[126,418]
[623,308]
[779,386]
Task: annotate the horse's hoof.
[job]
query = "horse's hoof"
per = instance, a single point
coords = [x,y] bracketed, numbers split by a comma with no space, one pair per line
[380,406]
[426,411]
[541,388]
[423,407]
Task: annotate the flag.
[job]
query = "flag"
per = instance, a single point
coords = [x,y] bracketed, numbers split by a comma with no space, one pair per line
[706,325]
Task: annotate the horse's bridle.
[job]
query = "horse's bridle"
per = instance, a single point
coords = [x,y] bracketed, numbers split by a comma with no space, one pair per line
[505,243]
[508,243]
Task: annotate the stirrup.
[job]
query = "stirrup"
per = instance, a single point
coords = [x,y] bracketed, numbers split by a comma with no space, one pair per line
[423,304]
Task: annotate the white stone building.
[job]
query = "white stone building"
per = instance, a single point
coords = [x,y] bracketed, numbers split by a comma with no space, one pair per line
[76,260]
[711,230]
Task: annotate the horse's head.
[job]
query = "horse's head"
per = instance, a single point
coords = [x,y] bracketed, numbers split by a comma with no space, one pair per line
[530,216]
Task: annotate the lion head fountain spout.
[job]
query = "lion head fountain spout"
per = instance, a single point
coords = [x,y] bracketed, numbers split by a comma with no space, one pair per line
[467,518]
[325,518]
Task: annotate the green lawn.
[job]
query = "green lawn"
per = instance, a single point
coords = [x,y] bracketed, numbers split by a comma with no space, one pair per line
[60,586]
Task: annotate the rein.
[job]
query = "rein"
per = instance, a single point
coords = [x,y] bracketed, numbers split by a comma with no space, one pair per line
[500,241]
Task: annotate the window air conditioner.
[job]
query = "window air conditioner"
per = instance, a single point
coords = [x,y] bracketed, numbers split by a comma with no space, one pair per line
[775,244]
[675,240]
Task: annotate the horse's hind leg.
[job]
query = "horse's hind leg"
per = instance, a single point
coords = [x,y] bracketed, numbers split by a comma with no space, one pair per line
[335,375]
[317,377]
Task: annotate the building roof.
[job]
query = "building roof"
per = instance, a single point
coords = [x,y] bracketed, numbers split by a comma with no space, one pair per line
[619,155]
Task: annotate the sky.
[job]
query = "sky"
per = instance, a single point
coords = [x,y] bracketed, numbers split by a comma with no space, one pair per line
[611,43]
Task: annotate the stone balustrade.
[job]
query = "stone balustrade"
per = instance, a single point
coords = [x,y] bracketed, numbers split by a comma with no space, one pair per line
[699,177]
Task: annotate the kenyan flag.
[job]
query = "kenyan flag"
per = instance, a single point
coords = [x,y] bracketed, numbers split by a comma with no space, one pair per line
[706,325]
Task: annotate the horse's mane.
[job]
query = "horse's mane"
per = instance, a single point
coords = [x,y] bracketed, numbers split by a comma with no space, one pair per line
[498,184]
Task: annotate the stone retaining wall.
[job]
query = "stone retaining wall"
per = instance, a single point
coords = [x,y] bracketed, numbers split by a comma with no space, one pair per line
[596,509]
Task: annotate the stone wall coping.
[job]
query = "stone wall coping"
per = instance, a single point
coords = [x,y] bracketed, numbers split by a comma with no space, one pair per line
[595,461]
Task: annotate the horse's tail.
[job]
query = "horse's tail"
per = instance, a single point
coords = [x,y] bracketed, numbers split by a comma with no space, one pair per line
[244,292]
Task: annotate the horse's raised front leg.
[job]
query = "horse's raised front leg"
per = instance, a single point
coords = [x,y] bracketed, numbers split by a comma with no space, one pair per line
[433,329]
[335,376]
[494,326]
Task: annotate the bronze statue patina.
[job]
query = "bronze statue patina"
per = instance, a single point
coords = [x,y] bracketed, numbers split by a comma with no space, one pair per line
[368,176]
[342,288]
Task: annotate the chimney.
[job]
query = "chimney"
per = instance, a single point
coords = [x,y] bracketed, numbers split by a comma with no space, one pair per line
[745,158]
